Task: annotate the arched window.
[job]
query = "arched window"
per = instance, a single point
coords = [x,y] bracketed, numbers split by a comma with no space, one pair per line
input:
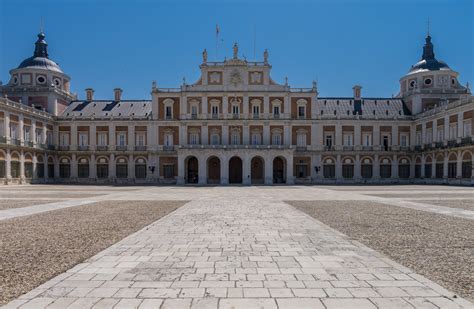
[329,168]
[348,168]
[235,137]
[404,168]
[467,165]
[83,168]
[39,166]
[140,168]
[366,168]
[121,168]
[64,168]
[385,168]
[28,166]
[15,165]
[102,168]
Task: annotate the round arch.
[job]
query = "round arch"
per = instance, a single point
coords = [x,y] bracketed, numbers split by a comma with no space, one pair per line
[213,170]
[329,167]
[235,169]
[279,169]
[257,170]
[366,167]
[192,169]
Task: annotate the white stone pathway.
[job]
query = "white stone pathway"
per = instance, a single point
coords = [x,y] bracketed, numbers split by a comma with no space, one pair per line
[238,248]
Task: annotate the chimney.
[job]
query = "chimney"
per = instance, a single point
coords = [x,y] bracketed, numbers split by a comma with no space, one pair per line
[118,94]
[89,94]
[357,92]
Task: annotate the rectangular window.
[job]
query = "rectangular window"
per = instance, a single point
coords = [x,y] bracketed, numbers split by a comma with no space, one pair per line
[102,171]
[50,170]
[439,170]
[328,141]
[301,170]
[215,110]
[453,132]
[256,139]
[440,134]
[235,110]
[102,139]
[194,138]
[83,139]
[367,139]
[194,111]
[301,111]
[64,170]
[215,139]
[168,171]
[169,112]
[26,135]
[276,139]
[121,139]
[366,171]
[39,136]
[418,171]
[39,170]
[348,140]
[64,139]
[348,171]
[140,140]
[403,140]
[467,128]
[235,139]
[168,139]
[452,169]
[13,131]
[301,140]
[140,171]
[256,111]
[418,138]
[467,169]
[276,111]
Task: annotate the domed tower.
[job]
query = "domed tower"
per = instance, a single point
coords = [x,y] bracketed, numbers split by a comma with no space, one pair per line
[430,82]
[39,82]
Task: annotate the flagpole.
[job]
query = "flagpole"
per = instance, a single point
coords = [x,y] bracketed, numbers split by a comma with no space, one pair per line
[217,42]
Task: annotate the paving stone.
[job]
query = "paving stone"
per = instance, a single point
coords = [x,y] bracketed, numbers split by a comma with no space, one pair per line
[300,303]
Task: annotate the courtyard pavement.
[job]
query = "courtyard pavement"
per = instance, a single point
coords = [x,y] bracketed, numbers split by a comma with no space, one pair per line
[242,247]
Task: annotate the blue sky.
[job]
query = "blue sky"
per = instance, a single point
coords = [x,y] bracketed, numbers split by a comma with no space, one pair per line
[128,44]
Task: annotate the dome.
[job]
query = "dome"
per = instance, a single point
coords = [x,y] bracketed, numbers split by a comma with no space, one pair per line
[40,63]
[40,58]
[428,61]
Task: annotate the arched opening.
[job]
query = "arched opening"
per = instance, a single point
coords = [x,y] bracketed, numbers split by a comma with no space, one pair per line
[418,167]
[15,165]
[366,168]
[439,166]
[50,167]
[235,170]
[467,165]
[64,167]
[452,165]
[121,167]
[2,165]
[404,168]
[140,168]
[83,168]
[348,168]
[428,167]
[385,168]
[329,168]
[279,170]
[192,169]
[213,170]
[257,170]
[39,166]
[102,168]
[28,166]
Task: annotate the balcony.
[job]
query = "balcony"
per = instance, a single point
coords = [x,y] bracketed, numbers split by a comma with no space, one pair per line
[348,148]
[404,148]
[428,146]
[418,148]
[235,116]
[367,148]
[169,117]
[63,148]
[140,148]
[329,148]
[452,143]
[168,148]
[28,143]
[256,116]
[439,145]
[121,147]
[301,148]
[194,116]
[466,141]
[3,139]
[101,148]
[15,141]
[215,116]
[83,147]
[51,147]
[276,116]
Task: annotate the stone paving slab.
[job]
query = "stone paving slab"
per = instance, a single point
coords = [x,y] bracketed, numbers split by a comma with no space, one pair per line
[239,248]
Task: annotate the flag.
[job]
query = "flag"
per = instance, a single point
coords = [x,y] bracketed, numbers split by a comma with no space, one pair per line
[217,30]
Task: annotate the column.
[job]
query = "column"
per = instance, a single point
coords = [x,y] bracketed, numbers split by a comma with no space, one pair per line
[92,167]
[268,170]
[246,180]
[314,137]
[56,167]
[45,165]
[204,107]
[357,136]
[289,170]
[394,135]
[435,128]
[320,135]
[245,133]
[316,160]
[224,170]
[376,167]
[459,165]
[184,107]
[204,134]
[423,133]
[357,168]
[112,137]
[338,133]
[92,137]
[412,135]
[73,136]
[445,166]
[202,175]
[423,161]
[433,166]
[21,129]
[446,127]
[73,166]
[183,134]
[33,134]
[55,141]
[7,126]
[245,104]
[286,107]
[461,124]
[266,106]
[181,165]
[412,167]
[112,167]
[266,133]
[8,166]
[35,172]
[131,168]
[225,106]
[225,134]
[131,138]
[22,166]
[338,167]
[394,167]
[287,134]
[376,136]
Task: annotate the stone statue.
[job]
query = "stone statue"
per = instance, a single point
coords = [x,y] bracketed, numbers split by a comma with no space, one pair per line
[236,50]
[265,56]
[204,56]
[315,85]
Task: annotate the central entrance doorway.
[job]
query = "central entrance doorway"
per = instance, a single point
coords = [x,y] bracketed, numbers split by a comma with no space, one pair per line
[213,170]
[257,170]
[192,169]
[235,170]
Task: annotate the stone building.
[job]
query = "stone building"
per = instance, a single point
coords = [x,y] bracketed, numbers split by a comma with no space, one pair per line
[236,125]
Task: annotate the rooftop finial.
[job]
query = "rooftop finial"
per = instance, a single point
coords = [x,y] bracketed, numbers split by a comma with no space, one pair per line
[41,47]
[428,27]
[236,50]
[428,49]
[41,25]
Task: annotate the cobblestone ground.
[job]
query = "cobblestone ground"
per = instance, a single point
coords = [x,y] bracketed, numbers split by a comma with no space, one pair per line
[241,247]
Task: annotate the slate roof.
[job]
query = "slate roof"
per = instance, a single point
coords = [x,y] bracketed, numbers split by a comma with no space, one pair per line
[108,109]
[371,107]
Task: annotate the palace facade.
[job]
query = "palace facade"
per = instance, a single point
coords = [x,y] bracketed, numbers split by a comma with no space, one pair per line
[235,125]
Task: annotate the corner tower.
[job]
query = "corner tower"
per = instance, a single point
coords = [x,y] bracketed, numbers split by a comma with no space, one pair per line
[430,82]
[39,82]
